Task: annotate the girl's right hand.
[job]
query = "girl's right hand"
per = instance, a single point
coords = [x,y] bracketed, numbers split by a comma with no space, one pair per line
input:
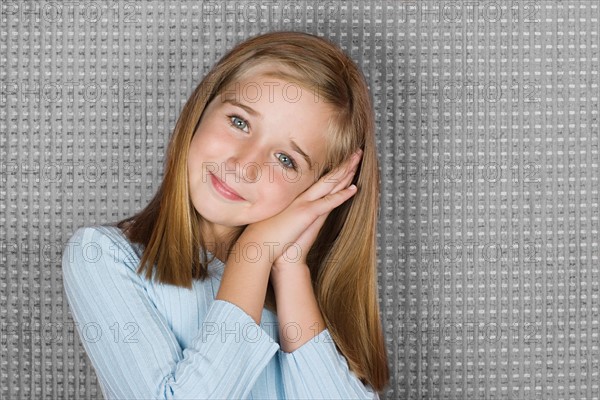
[281,230]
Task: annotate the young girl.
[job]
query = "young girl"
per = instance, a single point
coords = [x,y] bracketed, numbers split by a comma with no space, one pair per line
[252,272]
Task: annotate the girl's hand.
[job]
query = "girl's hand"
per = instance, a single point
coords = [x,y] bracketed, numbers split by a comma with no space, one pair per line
[290,234]
[296,253]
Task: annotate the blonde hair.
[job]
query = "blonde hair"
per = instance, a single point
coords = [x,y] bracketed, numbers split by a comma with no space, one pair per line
[343,258]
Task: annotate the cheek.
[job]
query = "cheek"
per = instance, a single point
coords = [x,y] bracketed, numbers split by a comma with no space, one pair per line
[283,189]
[195,157]
[207,143]
[208,140]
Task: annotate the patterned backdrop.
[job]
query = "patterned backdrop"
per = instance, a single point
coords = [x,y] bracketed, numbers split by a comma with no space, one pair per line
[488,139]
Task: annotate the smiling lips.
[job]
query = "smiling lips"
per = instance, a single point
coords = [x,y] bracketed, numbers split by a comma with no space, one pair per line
[224,190]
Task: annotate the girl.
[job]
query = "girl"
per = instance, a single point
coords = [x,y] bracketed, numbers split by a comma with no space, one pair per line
[252,272]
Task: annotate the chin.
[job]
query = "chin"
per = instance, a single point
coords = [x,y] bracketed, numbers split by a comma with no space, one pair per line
[219,216]
[216,218]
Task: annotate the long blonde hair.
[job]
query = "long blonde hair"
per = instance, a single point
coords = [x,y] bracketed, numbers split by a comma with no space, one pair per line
[343,258]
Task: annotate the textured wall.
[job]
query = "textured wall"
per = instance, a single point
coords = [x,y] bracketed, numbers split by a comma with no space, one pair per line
[488,139]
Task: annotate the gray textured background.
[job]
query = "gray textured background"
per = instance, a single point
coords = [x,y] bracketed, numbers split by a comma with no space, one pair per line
[488,139]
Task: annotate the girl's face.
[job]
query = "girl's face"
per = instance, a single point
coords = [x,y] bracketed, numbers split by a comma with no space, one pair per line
[258,145]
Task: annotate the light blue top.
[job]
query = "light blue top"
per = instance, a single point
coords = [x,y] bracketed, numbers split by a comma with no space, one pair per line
[155,341]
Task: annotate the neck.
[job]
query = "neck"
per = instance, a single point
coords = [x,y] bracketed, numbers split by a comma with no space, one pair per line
[218,239]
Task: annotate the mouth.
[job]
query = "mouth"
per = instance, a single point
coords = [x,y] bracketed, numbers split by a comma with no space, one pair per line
[225,190]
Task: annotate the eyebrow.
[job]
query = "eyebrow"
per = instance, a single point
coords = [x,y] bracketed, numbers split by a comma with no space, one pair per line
[248,109]
[299,150]
[255,113]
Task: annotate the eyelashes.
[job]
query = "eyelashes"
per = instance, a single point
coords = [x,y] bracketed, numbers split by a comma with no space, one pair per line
[291,164]
[230,117]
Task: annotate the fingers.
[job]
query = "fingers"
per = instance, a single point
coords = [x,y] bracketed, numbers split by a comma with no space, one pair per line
[337,179]
[342,171]
[347,179]
[332,200]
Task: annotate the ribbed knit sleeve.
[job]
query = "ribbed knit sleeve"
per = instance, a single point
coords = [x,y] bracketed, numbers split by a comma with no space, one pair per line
[129,343]
[317,370]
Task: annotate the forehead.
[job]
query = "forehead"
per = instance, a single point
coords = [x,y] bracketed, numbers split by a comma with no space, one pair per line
[268,68]
[270,83]
[271,76]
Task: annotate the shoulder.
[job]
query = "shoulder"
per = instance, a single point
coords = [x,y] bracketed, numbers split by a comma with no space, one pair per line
[100,244]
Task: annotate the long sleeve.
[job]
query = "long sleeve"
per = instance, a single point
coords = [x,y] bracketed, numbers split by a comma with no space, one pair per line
[130,345]
[317,370]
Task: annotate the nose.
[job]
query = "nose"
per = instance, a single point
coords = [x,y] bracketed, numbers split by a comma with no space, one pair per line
[246,163]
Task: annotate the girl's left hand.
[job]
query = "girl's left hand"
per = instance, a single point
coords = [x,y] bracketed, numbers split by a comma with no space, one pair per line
[295,254]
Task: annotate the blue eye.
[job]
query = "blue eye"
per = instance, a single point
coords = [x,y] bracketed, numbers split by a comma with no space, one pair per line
[238,122]
[287,161]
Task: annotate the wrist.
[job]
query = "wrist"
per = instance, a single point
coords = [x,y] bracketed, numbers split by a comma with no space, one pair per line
[282,273]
